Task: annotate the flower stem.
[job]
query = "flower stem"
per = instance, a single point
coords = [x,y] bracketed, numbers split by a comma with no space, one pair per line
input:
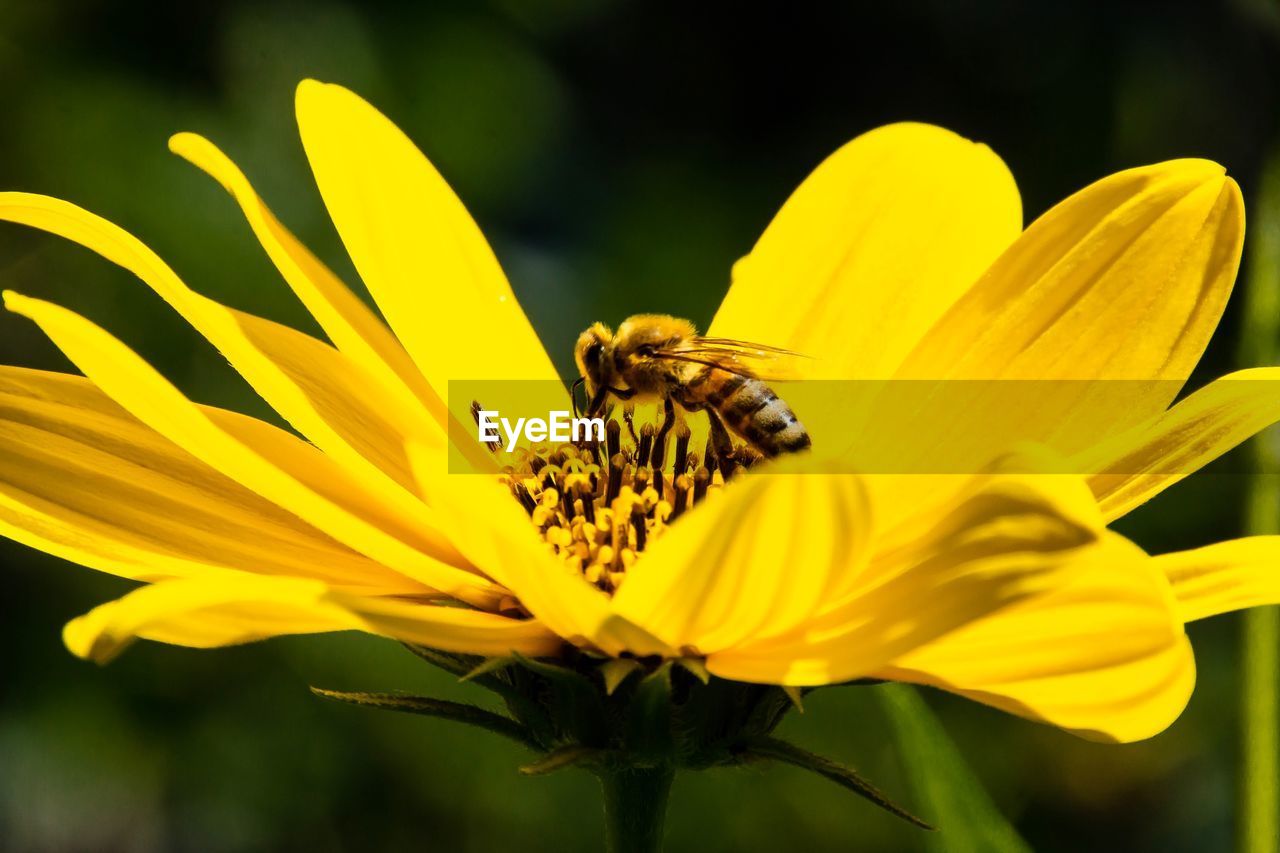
[1260,731]
[1258,808]
[635,806]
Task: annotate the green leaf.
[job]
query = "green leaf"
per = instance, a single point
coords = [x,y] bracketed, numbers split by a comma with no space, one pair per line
[944,786]
[486,673]
[846,777]
[458,712]
[455,664]
[795,695]
[559,759]
[486,666]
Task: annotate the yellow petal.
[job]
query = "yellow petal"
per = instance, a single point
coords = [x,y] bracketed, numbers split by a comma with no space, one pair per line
[1126,279]
[1102,654]
[1224,577]
[82,479]
[270,462]
[755,562]
[331,400]
[354,329]
[1004,538]
[417,249]
[1133,467]
[872,248]
[204,613]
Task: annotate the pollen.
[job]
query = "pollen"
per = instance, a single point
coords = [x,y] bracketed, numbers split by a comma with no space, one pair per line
[599,505]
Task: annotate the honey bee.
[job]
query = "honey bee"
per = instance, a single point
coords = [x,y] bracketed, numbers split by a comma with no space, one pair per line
[658,357]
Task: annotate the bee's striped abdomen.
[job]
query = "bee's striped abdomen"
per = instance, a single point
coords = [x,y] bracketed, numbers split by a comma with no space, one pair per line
[752,410]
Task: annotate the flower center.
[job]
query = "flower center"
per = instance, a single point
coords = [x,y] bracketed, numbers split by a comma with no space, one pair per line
[599,506]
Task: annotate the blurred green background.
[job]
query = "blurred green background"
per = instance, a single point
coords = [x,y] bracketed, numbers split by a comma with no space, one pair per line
[620,155]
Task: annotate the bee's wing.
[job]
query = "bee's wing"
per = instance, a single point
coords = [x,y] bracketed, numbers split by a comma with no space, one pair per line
[756,361]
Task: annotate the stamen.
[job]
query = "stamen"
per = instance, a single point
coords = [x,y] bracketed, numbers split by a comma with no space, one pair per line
[683,434]
[646,445]
[494,446]
[638,525]
[616,464]
[728,465]
[641,481]
[526,500]
[701,479]
[613,438]
[682,486]
[600,517]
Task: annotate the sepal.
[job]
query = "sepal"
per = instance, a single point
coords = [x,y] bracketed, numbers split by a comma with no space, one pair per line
[458,712]
[772,749]
[618,717]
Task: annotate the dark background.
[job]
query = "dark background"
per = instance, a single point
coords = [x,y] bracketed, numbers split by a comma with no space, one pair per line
[620,156]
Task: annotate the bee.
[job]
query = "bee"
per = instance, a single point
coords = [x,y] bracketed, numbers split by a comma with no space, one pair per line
[658,357]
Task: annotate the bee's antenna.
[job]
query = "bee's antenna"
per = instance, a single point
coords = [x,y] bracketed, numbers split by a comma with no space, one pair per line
[573,393]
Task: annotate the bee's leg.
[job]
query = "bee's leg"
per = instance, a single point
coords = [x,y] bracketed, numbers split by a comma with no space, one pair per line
[720,441]
[659,455]
[629,417]
[595,408]
[573,393]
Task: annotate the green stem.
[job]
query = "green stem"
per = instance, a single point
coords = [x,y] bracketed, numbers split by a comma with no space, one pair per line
[1258,805]
[635,806]
[1260,732]
[1260,345]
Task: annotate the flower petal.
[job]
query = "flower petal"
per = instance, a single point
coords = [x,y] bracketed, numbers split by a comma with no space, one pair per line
[82,479]
[755,562]
[872,248]
[268,461]
[1133,467]
[334,402]
[354,329]
[1126,279]
[241,608]
[415,246]
[1103,655]
[1003,538]
[1223,577]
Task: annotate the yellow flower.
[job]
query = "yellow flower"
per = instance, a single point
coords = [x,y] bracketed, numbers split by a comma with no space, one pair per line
[902,256]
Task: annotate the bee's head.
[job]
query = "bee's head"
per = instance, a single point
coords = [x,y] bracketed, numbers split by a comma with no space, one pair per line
[590,355]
